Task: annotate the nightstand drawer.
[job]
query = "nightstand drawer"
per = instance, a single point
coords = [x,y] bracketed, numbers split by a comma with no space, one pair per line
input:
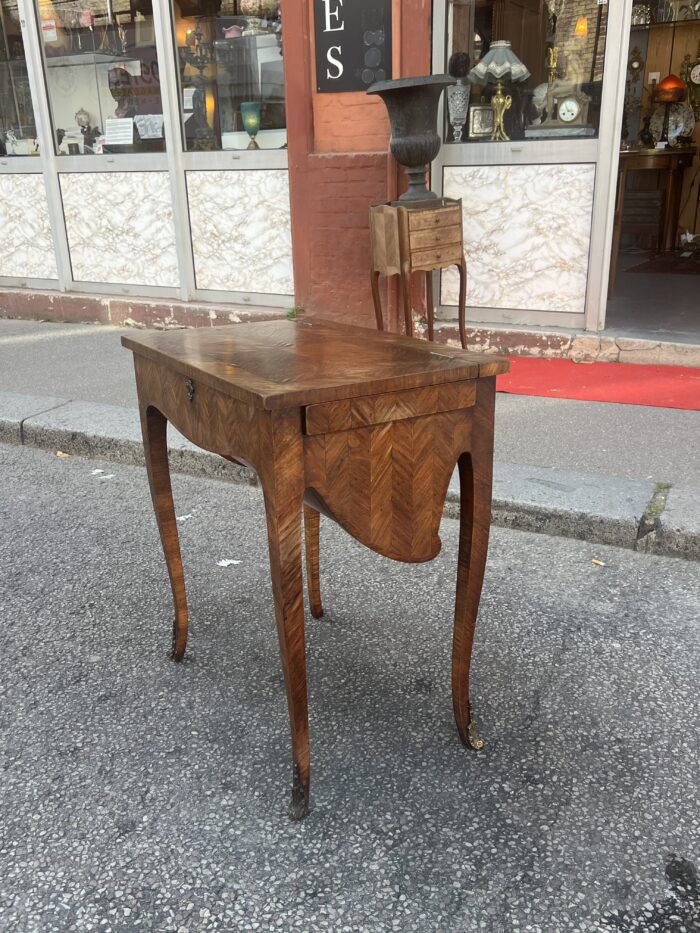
[440,217]
[434,258]
[425,239]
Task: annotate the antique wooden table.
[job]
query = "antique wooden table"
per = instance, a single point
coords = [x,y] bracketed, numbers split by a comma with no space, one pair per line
[362,426]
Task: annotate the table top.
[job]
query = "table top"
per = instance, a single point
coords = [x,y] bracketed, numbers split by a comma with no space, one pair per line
[284,364]
[657,154]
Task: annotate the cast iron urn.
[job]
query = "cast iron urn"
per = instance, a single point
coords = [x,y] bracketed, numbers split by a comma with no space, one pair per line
[412,104]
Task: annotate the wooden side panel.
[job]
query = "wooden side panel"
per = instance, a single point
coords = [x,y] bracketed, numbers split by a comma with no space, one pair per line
[384,231]
[403,469]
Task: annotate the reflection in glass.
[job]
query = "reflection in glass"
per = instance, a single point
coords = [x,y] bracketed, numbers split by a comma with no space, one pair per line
[562,45]
[17,127]
[102,76]
[230,58]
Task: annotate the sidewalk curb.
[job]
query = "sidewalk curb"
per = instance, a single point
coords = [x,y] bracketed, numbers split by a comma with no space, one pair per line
[653,518]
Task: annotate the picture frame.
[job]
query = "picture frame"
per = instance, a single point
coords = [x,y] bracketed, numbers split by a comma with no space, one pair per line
[480,121]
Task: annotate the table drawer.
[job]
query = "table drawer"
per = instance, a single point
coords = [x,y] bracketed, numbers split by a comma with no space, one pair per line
[349,414]
[440,217]
[425,239]
[433,258]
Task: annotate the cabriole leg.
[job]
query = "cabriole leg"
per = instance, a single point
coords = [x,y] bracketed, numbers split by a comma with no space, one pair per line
[475,480]
[430,307]
[154,428]
[462,266]
[282,479]
[312,534]
[377,300]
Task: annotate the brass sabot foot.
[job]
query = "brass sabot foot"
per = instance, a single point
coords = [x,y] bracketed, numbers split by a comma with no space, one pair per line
[473,738]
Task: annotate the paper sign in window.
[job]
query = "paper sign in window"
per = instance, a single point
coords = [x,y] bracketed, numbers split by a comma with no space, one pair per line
[48,30]
[149,125]
[119,131]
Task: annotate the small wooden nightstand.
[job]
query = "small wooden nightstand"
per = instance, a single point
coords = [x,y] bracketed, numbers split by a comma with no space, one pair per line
[417,237]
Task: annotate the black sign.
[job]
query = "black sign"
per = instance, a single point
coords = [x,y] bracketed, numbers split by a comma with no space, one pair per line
[353,43]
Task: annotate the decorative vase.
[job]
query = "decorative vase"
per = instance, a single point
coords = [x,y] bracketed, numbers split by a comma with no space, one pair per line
[412,104]
[458,108]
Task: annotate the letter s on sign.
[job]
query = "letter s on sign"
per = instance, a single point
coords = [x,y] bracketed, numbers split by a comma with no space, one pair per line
[334,61]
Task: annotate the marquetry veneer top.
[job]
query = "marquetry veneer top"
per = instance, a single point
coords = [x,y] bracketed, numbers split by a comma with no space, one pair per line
[284,364]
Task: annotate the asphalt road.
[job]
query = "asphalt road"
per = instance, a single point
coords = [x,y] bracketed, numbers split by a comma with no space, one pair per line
[87,362]
[137,794]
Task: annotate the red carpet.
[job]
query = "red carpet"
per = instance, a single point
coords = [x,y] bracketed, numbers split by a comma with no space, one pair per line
[624,383]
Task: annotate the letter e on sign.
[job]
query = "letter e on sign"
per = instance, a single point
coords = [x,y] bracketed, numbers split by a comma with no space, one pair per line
[333,15]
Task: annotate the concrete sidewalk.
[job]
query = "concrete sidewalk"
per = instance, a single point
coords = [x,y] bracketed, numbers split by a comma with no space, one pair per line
[610,474]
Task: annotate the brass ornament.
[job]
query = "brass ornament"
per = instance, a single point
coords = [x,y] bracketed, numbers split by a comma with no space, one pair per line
[500,103]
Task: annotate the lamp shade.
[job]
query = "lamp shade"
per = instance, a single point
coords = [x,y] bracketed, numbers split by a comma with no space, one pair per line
[581,28]
[250,111]
[499,64]
[671,90]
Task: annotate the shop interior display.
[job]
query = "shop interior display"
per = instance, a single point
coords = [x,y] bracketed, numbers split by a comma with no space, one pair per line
[660,134]
[230,55]
[17,128]
[662,92]
[102,76]
[537,66]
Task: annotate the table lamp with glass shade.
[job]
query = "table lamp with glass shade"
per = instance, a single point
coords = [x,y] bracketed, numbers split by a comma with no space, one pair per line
[250,111]
[498,65]
[669,92]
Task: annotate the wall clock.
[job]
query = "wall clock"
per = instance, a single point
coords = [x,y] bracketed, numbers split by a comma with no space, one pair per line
[691,75]
[635,64]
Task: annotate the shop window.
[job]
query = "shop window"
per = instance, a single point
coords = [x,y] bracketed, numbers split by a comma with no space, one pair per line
[17,127]
[561,43]
[102,76]
[231,74]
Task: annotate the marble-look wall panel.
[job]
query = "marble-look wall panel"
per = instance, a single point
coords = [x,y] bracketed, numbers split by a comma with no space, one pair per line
[120,228]
[26,244]
[241,230]
[526,235]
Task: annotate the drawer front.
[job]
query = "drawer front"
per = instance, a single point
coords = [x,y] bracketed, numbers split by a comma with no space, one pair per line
[350,414]
[434,258]
[426,239]
[442,217]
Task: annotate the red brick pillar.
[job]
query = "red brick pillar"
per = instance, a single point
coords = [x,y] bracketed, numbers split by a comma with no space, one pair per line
[338,165]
